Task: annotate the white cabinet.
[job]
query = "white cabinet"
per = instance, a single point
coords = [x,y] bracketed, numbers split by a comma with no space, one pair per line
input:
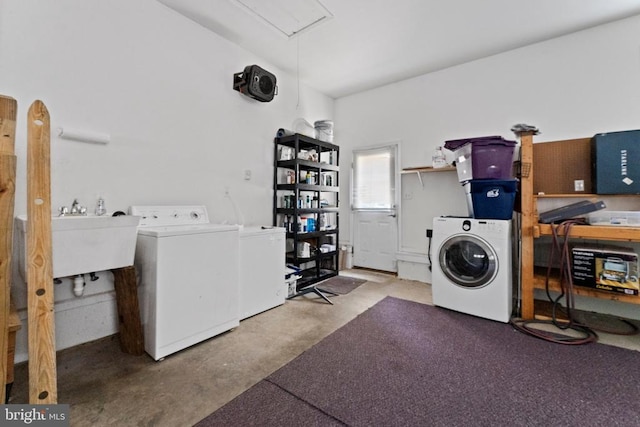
[262,269]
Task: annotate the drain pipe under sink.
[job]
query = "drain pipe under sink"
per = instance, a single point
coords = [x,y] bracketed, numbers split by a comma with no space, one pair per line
[78,285]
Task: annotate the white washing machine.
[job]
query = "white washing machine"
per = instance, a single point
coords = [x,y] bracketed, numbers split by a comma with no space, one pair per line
[262,269]
[189,281]
[472,266]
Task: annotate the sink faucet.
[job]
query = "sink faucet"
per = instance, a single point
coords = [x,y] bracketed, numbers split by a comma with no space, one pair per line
[76,209]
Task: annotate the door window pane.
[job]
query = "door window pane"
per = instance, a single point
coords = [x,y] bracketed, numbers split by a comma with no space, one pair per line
[374,179]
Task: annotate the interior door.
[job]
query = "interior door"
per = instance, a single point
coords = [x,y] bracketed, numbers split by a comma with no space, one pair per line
[374,208]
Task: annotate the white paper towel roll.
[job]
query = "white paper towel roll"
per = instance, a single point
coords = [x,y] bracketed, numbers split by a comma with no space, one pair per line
[85,136]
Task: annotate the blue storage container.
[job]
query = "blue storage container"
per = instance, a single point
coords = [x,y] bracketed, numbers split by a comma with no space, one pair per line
[492,198]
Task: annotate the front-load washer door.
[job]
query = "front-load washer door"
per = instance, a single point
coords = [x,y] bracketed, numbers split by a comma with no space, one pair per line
[468,261]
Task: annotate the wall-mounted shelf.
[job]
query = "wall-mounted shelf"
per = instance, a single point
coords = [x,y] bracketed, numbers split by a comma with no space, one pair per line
[426,169]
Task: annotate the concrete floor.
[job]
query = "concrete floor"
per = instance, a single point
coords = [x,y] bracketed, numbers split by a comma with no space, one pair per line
[106,387]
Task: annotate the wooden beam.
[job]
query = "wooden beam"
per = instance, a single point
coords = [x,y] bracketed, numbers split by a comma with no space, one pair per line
[8,110]
[528,221]
[131,336]
[40,301]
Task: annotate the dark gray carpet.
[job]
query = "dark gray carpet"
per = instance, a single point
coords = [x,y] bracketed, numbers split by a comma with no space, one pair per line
[402,363]
[340,285]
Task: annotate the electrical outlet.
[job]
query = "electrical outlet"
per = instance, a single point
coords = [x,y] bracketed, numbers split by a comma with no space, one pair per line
[247,174]
[408,195]
[429,233]
[578,185]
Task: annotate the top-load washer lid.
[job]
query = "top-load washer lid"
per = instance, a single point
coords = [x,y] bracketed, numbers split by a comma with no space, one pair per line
[181,230]
[165,221]
[256,230]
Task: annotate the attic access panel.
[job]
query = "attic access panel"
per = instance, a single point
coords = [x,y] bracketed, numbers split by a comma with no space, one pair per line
[288,17]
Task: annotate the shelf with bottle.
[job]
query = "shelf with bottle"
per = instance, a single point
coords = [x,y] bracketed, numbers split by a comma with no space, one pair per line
[313,224]
[305,201]
[306,247]
[303,147]
[308,164]
[307,179]
[419,170]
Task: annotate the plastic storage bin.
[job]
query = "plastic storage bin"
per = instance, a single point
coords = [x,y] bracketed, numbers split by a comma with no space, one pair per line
[324,130]
[491,198]
[615,159]
[488,157]
[615,218]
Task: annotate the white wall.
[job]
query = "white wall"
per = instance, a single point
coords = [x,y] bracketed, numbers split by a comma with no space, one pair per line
[161,86]
[570,87]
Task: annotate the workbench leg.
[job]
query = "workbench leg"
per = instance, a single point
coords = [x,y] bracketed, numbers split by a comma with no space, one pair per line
[528,221]
[125,283]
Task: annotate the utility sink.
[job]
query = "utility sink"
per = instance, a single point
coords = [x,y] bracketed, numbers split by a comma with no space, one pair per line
[85,244]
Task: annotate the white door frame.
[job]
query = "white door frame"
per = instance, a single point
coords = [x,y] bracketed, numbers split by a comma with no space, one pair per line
[397,196]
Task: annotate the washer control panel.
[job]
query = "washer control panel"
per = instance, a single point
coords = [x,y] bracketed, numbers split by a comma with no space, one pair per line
[489,226]
[154,216]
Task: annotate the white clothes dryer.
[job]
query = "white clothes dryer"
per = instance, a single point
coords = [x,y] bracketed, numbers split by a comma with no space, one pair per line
[472,266]
[189,284]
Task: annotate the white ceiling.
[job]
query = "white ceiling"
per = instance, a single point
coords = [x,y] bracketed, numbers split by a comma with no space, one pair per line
[370,43]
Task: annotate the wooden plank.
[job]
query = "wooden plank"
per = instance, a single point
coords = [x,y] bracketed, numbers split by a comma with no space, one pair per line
[40,301]
[602,232]
[131,337]
[528,221]
[8,110]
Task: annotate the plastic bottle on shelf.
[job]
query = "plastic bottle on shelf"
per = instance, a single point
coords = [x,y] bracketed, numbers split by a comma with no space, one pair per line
[438,159]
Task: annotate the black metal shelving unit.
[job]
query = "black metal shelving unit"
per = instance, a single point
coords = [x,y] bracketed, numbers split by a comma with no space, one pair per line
[307,186]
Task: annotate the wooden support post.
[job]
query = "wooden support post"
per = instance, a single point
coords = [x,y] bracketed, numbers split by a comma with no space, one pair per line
[131,338]
[40,301]
[528,221]
[8,110]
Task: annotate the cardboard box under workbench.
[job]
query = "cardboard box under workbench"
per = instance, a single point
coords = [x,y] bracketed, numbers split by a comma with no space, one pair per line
[606,268]
[560,166]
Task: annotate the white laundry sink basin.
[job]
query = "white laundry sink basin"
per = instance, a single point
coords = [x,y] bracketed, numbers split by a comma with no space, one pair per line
[85,244]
